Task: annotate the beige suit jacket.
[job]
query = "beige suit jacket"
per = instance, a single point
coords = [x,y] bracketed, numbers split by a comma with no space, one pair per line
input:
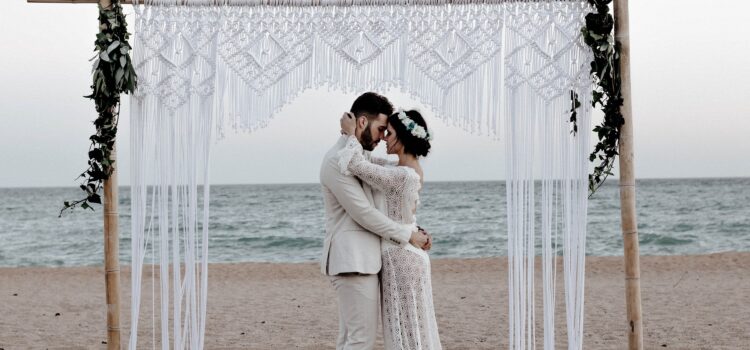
[354,223]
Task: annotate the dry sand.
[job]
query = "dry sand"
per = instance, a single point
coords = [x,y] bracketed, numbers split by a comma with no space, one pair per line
[689,302]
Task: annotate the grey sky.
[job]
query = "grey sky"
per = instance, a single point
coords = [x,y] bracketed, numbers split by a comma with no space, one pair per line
[690,83]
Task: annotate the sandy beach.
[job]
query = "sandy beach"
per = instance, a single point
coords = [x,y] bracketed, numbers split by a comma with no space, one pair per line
[689,302]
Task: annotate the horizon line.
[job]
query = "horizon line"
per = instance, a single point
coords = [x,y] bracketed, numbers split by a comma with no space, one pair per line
[439,181]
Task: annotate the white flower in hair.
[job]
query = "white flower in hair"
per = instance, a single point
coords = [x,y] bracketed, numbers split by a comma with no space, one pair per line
[414,128]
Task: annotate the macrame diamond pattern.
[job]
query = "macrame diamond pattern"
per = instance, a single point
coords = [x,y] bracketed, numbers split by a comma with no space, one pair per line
[449,44]
[178,47]
[359,35]
[544,48]
[262,46]
[176,54]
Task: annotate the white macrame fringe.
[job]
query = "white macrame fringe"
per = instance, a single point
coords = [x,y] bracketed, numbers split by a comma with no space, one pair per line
[539,75]
[545,135]
[490,67]
[170,214]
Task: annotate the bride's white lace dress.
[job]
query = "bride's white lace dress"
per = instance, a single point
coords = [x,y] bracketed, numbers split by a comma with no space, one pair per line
[405,278]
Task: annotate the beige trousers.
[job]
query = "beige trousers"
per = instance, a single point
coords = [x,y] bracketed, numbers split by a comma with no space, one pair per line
[359,310]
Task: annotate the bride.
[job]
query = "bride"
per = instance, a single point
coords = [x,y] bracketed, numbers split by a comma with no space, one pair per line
[406,287]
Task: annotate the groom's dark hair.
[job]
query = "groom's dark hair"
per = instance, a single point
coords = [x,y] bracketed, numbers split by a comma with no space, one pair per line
[370,105]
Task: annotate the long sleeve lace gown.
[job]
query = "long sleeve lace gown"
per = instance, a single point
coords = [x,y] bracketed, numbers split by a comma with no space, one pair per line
[405,280]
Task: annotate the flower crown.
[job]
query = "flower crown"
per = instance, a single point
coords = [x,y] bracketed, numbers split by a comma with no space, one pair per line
[414,128]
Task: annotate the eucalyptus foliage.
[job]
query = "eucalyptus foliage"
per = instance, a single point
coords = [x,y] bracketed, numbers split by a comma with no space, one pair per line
[605,69]
[113,74]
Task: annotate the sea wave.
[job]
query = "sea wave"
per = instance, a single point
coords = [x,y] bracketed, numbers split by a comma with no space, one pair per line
[285,223]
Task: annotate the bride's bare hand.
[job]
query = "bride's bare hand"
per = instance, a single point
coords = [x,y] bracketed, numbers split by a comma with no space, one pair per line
[348,123]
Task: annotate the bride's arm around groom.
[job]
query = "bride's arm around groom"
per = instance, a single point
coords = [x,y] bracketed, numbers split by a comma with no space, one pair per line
[354,226]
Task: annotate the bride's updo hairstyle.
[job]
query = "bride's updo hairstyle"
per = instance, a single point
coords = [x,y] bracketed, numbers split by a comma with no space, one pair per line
[418,146]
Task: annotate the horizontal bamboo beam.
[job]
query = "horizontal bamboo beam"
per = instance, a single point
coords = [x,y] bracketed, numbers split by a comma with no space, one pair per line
[70,1]
[293,2]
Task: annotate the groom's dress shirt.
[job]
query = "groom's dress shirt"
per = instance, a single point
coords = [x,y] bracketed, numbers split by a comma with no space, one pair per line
[354,221]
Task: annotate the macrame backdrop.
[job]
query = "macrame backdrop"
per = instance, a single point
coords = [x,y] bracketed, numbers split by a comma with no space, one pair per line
[487,66]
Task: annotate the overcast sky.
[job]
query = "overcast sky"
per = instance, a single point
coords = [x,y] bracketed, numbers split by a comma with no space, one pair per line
[691,97]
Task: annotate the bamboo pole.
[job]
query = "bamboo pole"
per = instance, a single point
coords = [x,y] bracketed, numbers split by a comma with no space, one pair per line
[112,247]
[627,185]
[111,258]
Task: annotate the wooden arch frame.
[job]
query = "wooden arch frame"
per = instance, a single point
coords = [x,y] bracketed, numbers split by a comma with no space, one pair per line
[629,223]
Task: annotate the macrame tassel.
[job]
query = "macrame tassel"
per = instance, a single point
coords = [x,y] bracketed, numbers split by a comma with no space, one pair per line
[170,215]
[522,117]
[544,134]
[576,216]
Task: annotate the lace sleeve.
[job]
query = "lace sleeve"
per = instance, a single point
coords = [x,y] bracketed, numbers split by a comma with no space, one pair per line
[352,148]
[352,162]
[412,185]
[383,161]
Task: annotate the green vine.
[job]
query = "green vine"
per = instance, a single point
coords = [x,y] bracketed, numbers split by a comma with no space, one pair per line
[605,69]
[113,74]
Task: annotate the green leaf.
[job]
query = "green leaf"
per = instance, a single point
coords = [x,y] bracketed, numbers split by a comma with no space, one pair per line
[118,75]
[94,198]
[113,46]
[105,57]
[96,154]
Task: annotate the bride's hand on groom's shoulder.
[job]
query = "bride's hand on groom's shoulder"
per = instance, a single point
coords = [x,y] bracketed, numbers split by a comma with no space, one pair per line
[348,123]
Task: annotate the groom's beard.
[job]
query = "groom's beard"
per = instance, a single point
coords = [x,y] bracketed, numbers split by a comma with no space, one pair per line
[366,140]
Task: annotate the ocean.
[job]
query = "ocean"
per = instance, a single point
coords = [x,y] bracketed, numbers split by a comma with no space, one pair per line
[285,223]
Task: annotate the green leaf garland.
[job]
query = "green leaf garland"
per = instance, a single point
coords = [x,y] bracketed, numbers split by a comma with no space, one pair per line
[113,74]
[605,69]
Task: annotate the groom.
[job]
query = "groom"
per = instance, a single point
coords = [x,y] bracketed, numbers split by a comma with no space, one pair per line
[355,224]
